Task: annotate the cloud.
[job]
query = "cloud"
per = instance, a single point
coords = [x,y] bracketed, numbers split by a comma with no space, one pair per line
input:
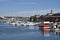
[30,13]
[20,13]
[34,12]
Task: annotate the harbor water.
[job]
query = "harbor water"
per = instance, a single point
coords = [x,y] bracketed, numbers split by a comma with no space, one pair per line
[9,32]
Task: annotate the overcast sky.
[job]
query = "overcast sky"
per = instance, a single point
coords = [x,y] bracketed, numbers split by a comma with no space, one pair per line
[28,7]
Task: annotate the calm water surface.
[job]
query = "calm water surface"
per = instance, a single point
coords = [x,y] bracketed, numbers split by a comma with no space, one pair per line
[9,32]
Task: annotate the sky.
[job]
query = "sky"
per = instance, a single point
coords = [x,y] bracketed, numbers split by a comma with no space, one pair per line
[28,8]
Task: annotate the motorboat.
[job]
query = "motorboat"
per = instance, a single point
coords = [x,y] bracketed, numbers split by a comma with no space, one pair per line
[30,23]
[45,25]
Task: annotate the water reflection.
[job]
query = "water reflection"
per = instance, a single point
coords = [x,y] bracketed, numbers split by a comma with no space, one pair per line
[30,27]
[56,33]
[27,33]
[47,32]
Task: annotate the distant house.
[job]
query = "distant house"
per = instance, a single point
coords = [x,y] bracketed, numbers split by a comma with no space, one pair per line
[35,18]
[52,17]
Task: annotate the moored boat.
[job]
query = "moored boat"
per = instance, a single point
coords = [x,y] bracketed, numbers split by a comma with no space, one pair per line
[45,25]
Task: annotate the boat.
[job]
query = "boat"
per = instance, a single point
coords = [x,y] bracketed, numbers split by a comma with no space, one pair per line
[13,23]
[23,24]
[44,25]
[30,24]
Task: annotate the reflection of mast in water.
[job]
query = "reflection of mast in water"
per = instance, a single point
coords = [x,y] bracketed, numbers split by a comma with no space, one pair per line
[57,33]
